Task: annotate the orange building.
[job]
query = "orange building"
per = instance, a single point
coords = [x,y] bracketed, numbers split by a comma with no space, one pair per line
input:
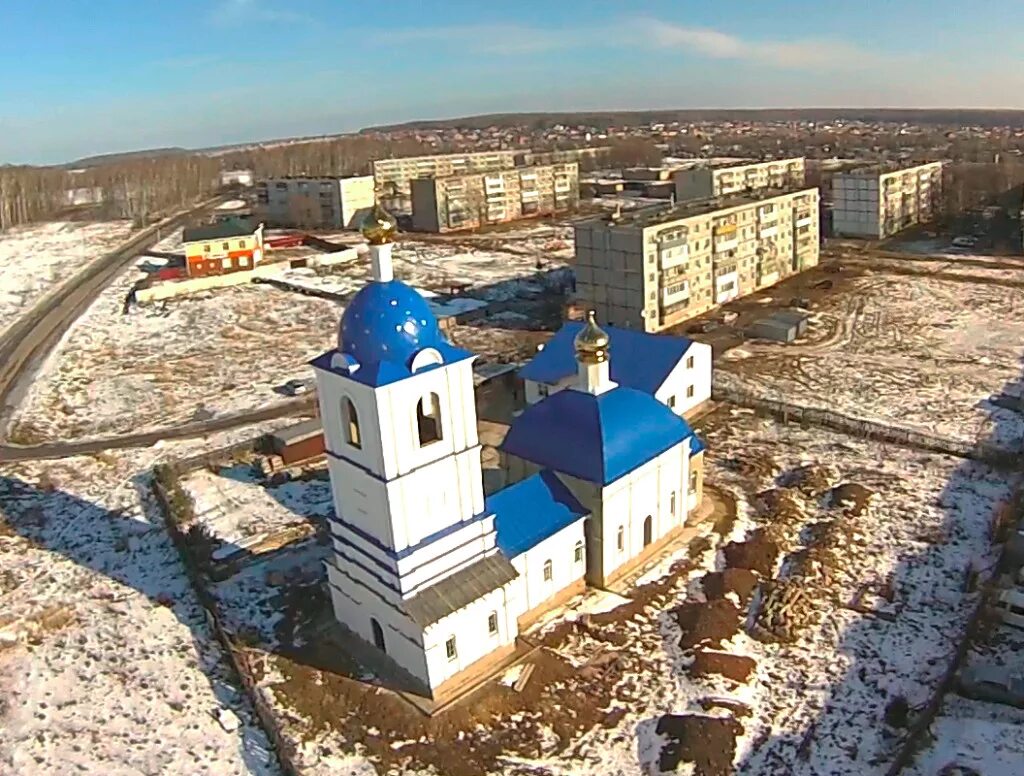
[232,245]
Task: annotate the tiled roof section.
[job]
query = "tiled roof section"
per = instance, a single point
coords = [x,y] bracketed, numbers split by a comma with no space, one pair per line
[595,438]
[638,360]
[460,589]
[530,511]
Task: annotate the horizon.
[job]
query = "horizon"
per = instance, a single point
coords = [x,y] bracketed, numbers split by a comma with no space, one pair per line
[101,82]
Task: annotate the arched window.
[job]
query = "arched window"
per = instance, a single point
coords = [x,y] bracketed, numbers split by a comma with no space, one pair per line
[648,530]
[577,555]
[428,419]
[378,634]
[620,540]
[672,504]
[548,571]
[350,418]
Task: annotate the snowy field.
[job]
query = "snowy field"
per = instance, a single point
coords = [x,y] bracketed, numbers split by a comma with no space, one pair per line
[106,660]
[227,350]
[913,351]
[36,259]
[815,705]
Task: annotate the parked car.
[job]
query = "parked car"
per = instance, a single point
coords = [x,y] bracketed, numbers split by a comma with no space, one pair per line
[997,684]
[965,242]
[1010,606]
[297,387]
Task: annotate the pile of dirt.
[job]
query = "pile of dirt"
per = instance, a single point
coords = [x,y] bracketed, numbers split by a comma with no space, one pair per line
[852,497]
[733,706]
[709,743]
[812,480]
[758,553]
[735,667]
[756,468]
[712,623]
[717,584]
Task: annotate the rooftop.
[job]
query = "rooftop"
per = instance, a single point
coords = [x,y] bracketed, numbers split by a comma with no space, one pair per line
[229,227]
[638,360]
[722,165]
[660,215]
[533,509]
[865,169]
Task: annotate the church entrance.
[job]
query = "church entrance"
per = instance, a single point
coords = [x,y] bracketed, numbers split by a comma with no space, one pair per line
[648,523]
[378,634]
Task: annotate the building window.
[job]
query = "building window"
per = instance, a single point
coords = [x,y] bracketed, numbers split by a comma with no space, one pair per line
[428,419]
[689,362]
[577,555]
[542,389]
[689,392]
[693,482]
[672,503]
[206,248]
[225,263]
[672,402]
[492,623]
[648,530]
[548,572]
[243,261]
[351,420]
[226,246]
[620,540]
[378,634]
[449,649]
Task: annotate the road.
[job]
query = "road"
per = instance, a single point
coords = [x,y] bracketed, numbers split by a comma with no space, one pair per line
[26,344]
[51,450]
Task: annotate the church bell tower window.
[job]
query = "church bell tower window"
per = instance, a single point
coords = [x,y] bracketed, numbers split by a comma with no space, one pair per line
[351,420]
[428,419]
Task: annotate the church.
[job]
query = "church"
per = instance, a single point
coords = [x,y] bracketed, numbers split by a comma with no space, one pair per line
[423,566]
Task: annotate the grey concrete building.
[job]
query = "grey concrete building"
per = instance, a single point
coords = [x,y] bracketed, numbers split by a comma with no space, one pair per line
[393,177]
[721,180]
[469,201]
[324,203]
[654,268]
[877,202]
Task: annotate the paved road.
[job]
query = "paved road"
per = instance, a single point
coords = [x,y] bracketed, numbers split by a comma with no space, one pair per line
[26,344]
[50,450]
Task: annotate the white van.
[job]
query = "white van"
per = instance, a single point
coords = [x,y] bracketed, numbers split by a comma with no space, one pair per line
[1010,605]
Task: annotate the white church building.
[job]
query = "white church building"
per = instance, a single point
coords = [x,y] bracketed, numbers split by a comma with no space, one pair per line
[425,568]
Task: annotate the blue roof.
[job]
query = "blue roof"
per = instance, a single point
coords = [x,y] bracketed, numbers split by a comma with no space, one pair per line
[638,360]
[697,445]
[376,374]
[595,438]
[532,510]
[387,321]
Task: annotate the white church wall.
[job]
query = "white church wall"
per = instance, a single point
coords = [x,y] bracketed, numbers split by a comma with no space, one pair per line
[398,402]
[536,391]
[360,500]
[332,391]
[469,628]
[432,564]
[357,607]
[647,491]
[683,377]
[560,550]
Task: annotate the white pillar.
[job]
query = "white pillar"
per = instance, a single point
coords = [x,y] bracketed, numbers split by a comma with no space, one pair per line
[593,378]
[380,259]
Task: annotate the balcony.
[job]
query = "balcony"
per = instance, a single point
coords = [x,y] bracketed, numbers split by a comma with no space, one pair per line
[675,293]
[804,219]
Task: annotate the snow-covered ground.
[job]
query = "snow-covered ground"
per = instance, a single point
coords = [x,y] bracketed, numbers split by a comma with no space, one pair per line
[226,350]
[36,259]
[912,351]
[106,659]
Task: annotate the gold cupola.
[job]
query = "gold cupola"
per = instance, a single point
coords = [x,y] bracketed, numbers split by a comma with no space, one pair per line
[591,343]
[378,226]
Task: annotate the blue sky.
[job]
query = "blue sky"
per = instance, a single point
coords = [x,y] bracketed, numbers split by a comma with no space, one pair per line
[110,75]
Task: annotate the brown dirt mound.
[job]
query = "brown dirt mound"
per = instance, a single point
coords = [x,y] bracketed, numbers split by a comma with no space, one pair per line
[739,581]
[711,623]
[735,667]
[707,742]
[737,708]
[852,497]
[758,553]
[812,480]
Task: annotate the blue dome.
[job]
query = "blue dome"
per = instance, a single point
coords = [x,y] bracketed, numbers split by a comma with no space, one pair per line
[387,322]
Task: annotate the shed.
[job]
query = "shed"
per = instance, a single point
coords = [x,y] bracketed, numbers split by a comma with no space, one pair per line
[781,326]
[299,442]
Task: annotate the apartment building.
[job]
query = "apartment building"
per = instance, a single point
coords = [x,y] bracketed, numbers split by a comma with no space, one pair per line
[654,268]
[877,202]
[589,156]
[324,203]
[721,180]
[469,201]
[393,177]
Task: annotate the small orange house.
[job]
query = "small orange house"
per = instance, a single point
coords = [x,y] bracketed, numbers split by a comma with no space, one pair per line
[232,245]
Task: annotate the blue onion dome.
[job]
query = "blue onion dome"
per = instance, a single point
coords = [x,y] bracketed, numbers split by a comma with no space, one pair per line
[387,321]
